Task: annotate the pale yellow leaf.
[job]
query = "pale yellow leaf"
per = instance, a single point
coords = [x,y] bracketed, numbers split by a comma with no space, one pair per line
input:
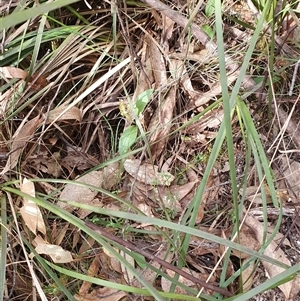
[13,72]
[30,212]
[57,253]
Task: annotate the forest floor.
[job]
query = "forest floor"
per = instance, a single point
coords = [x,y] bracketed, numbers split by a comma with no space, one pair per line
[149,150]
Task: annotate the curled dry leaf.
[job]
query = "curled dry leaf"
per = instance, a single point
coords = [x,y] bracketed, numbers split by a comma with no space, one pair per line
[273,270]
[72,114]
[20,139]
[292,174]
[166,284]
[13,72]
[57,253]
[248,274]
[246,239]
[81,194]
[102,294]
[147,173]
[92,272]
[160,124]
[30,212]
[105,179]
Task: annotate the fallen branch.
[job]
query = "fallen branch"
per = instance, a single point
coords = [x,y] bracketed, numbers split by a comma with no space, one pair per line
[163,263]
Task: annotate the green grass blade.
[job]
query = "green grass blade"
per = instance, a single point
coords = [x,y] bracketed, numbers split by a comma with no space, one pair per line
[137,218]
[3,244]
[22,16]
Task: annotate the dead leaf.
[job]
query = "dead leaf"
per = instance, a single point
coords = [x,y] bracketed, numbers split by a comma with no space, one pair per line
[30,212]
[57,253]
[111,174]
[72,114]
[102,294]
[166,284]
[160,124]
[292,175]
[81,194]
[158,66]
[272,270]
[13,72]
[147,173]
[246,239]
[49,165]
[179,72]
[20,139]
[92,272]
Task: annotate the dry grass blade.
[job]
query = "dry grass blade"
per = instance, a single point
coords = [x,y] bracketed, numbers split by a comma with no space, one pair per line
[145,120]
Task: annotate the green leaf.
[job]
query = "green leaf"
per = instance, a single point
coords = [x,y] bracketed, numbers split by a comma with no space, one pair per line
[142,101]
[21,16]
[210,8]
[208,30]
[127,139]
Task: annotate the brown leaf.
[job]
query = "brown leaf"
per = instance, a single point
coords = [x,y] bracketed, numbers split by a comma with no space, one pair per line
[20,139]
[147,173]
[273,270]
[160,124]
[248,274]
[158,66]
[72,114]
[102,294]
[92,272]
[81,194]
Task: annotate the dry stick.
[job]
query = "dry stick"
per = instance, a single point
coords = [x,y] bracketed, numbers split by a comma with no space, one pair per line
[163,263]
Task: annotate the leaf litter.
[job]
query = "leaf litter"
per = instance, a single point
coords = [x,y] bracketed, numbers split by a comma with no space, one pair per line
[162,185]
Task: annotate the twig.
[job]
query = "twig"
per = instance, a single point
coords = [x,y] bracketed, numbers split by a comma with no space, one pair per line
[294,78]
[163,263]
